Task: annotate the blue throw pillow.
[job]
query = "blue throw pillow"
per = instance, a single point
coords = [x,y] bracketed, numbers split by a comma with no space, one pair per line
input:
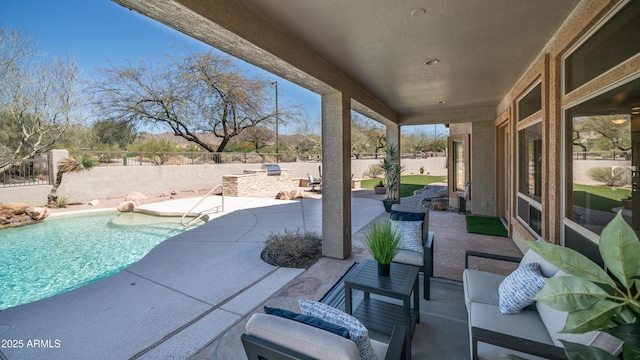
[357,332]
[518,289]
[309,320]
[406,216]
[410,234]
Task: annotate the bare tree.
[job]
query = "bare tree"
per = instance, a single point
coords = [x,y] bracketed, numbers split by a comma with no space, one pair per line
[38,97]
[258,136]
[618,135]
[197,94]
[415,142]
[367,136]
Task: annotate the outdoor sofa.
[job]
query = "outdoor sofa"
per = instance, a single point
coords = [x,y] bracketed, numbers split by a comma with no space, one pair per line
[531,333]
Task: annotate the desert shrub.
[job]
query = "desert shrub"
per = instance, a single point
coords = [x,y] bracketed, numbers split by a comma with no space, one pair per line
[293,249]
[62,202]
[609,176]
[375,170]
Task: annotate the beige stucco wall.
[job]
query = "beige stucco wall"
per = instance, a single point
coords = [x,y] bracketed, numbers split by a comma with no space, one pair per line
[483,168]
[32,195]
[117,181]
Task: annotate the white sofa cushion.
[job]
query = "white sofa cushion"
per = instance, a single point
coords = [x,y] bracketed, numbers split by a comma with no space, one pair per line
[303,338]
[525,324]
[480,286]
[546,268]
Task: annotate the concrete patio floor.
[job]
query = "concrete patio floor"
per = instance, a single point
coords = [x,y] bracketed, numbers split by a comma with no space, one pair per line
[191,296]
[442,332]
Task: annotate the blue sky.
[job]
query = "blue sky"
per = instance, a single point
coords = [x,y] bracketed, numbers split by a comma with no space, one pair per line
[94,31]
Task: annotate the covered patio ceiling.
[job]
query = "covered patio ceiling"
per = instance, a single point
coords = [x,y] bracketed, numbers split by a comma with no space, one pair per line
[376,51]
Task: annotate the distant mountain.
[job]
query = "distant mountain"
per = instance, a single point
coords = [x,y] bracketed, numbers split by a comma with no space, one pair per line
[178,140]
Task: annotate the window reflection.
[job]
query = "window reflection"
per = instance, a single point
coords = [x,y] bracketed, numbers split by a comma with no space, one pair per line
[603,137]
[530,142]
[459,163]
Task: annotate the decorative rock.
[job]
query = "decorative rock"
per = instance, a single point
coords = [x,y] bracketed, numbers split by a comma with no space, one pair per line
[94,202]
[135,195]
[37,213]
[289,195]
[437,205]
[128,206]
[14,208]
[174,192]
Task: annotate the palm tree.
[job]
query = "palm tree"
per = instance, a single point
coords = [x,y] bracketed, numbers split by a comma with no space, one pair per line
[70,165]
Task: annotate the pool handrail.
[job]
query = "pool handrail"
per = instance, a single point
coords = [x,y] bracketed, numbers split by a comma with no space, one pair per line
[217,208]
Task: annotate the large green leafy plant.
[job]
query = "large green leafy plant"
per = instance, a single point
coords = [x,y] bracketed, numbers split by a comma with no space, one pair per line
[596,299]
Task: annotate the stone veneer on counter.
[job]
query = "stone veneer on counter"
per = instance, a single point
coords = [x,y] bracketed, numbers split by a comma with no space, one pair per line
[253,181]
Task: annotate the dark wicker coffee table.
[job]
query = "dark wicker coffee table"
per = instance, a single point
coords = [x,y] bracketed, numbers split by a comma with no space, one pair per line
[380,315]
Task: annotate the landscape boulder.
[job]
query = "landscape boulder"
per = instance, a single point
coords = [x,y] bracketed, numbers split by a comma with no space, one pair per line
[128,206]
[37,212]
[135,196]
[14,208]
[289,195]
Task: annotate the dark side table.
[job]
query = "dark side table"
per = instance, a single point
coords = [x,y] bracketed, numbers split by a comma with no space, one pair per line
[380,315]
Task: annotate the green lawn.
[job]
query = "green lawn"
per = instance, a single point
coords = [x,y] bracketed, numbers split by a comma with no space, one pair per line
[408,183]
[602,198]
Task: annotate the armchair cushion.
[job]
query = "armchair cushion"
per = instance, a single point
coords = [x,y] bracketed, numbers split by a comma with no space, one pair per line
[305,339]
[518,289]
[309,320]
[357,332]
[410,257]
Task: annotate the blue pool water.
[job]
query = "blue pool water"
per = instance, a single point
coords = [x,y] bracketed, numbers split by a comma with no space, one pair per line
[64,253]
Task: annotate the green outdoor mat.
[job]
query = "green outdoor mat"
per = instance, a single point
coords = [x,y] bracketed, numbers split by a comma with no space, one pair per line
[486,225]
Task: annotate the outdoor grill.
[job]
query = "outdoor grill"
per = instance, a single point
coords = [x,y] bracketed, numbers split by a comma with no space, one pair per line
[272,169]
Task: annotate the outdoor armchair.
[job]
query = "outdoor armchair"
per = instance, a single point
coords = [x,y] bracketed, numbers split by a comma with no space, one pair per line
[270,337]
[423,260]
[313,183]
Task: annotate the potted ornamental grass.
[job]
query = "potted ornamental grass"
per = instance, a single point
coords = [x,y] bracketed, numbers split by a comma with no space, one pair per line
[392,170]
[383,241]
[379,188]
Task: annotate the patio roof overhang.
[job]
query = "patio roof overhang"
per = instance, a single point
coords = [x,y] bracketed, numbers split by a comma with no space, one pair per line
[376,51]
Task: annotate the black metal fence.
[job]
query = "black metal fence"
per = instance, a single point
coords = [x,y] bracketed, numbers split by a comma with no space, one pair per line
[36,171]
[24,172]
[121,158]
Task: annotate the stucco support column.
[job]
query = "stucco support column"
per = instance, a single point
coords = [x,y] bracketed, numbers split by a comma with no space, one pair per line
[393,138]
[336,175]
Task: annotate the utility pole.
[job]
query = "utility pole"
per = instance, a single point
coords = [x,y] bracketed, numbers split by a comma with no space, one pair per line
[276,83]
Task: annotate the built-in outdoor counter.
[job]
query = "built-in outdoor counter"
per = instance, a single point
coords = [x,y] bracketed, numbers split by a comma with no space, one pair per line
[253,181]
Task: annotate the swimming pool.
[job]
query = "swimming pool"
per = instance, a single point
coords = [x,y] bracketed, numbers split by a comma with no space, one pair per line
[67,252]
